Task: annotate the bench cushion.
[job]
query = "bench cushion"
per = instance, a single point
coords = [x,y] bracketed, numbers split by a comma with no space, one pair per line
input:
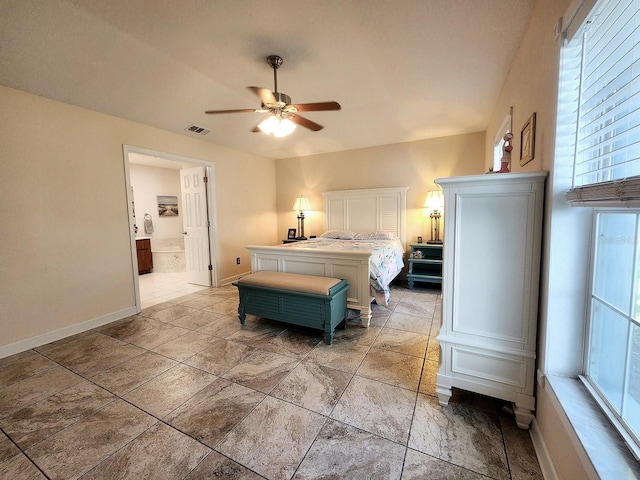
[291,281]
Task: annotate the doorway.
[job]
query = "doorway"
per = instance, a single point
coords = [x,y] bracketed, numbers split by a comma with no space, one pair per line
[152,179]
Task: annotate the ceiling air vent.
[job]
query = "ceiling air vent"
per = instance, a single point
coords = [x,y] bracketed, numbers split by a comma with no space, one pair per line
[197,129]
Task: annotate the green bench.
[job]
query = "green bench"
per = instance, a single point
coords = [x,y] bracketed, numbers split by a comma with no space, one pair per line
[306,300]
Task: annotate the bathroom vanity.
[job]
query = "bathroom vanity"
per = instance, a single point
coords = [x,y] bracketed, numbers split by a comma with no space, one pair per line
[145,258]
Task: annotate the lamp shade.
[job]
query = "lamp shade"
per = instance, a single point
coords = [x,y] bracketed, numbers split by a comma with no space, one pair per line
[435,200]
[301,204]
[277,126]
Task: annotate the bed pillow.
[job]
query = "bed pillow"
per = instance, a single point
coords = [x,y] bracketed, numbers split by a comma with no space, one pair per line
[374,236]
[339,234]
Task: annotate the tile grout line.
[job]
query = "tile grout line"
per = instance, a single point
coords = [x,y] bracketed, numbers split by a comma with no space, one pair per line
[369,349]
[23,452]
[118,397]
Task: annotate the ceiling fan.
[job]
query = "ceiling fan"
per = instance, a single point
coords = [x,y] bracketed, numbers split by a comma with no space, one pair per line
[282,114]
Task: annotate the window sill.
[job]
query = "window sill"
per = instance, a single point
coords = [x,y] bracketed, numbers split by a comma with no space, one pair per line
[603,445]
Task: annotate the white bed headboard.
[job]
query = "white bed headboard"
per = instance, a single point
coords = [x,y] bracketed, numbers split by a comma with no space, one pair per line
[367,210]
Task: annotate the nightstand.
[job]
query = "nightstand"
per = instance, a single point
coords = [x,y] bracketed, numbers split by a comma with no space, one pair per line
[427,265]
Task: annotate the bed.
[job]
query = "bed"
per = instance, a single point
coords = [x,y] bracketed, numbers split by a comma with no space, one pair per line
[368,230]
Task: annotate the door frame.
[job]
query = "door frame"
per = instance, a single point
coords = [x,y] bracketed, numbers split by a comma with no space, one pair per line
[211,212]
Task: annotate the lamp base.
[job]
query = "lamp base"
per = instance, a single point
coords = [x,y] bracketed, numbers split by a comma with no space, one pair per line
[301,238]
[435,241]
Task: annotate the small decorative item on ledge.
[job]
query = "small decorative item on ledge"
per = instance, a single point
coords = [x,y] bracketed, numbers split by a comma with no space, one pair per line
[506,155]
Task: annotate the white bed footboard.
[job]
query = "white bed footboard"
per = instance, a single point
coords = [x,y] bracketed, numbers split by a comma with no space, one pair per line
[350,266]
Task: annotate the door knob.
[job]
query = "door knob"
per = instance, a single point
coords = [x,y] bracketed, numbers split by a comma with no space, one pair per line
[184,233]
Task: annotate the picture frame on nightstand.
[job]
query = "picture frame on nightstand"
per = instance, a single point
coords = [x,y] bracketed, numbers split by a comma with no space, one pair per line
[291,234]
[419,239]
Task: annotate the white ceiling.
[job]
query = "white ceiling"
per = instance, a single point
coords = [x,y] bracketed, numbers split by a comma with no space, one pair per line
[403,70]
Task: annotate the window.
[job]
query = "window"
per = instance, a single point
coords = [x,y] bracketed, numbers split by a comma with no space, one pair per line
[600,79]
[613,361]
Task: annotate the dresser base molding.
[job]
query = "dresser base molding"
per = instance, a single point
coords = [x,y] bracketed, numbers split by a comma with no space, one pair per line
[523,405]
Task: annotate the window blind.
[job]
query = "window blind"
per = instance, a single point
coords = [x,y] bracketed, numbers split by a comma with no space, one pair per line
[607,147]
[611,193]
[574,17]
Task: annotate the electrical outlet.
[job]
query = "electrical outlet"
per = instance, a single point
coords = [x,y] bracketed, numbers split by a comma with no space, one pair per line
[238,261]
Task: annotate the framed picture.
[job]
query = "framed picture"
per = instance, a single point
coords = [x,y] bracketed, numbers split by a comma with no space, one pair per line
[419,239]
[167,206]
[528,140]
[291,234]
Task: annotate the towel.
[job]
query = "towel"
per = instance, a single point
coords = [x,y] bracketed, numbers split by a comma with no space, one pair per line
[148,223]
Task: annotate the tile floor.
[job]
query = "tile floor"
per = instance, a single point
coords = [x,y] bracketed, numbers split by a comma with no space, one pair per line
[163,287]
[182,391]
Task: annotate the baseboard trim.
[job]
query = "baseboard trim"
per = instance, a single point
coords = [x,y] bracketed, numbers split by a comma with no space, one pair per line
[542,452]
[39,340]
[234,278]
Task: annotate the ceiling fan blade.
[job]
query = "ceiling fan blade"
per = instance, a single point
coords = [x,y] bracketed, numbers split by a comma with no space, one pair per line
[317,106]
[214,112]
[264,94]
[256,129]
[304,122]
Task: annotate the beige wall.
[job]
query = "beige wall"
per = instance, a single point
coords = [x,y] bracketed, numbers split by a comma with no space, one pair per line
[66,248]
[147,183]
[412,164]
[531,86]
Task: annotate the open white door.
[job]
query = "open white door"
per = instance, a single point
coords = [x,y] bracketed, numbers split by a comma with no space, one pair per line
[196,225]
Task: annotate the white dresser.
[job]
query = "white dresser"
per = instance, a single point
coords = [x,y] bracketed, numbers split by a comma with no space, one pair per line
[492,240]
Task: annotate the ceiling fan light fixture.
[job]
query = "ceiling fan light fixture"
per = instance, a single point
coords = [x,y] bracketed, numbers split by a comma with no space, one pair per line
[283,114]
[285,127]
[277,126]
